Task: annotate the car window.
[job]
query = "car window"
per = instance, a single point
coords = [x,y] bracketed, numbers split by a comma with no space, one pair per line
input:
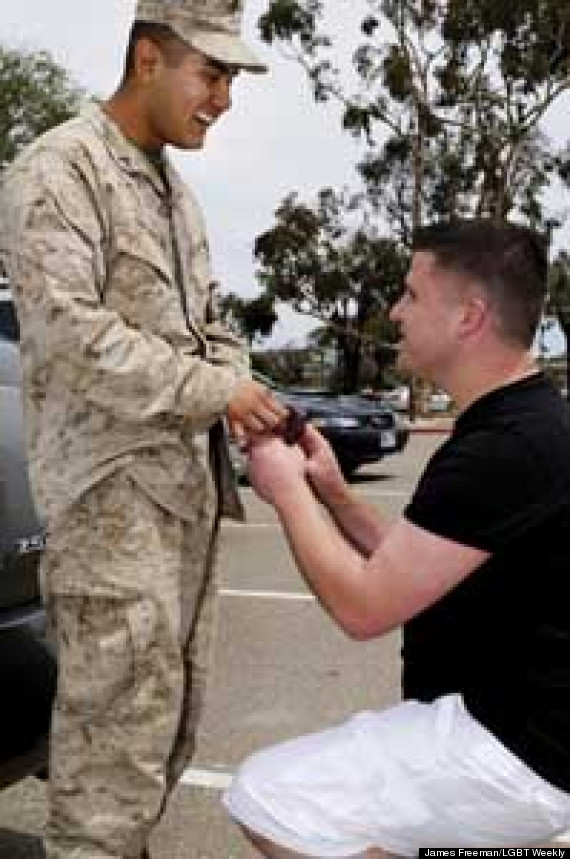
[9,328]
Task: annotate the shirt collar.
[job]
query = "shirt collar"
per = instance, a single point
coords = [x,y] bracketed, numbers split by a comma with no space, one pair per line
[130,156]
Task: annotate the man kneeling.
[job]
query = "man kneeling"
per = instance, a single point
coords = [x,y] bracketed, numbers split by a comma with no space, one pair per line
[477,754]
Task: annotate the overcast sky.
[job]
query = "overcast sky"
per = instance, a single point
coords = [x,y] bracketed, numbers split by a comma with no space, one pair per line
[274,140]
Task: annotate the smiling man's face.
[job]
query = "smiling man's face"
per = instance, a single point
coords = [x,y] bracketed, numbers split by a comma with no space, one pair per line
[183,100]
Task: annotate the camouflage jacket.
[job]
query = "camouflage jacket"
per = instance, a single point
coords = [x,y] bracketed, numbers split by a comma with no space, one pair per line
[123,364]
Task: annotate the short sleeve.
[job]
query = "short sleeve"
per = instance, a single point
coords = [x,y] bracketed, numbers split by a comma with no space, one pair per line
[483,490]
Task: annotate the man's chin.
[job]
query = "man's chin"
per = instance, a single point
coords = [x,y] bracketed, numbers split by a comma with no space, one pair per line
[190,145]
[192,141]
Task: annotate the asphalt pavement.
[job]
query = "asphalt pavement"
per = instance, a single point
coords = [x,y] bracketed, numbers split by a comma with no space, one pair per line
[281,668]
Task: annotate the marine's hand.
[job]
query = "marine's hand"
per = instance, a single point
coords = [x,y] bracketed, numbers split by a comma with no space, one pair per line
[253,409]
[321,467]
[275,468]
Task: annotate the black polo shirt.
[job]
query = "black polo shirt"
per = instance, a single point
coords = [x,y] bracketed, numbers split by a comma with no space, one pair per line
[501,638]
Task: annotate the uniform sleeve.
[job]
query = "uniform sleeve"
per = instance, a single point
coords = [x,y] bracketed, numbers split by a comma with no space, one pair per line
[225,348]
[55,262]
[483,491]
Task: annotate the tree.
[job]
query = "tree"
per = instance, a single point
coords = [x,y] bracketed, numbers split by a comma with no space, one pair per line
[457,90]
[559,302]
[249,318]
[35,94]
[336,271]
[450,98]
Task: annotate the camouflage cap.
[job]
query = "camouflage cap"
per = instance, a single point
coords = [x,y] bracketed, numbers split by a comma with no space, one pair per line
[210,26]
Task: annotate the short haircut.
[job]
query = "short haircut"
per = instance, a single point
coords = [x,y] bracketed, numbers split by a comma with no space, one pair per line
[171,46]
[508,261]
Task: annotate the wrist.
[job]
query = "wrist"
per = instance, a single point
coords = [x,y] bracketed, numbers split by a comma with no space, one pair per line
[332,492]
[337,498]
[289,497]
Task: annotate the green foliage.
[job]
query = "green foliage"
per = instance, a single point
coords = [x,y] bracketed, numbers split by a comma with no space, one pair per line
[397,73]
[249,318]
[460,86]
[559,302]
[35,94]
[314,260]
[343,274]
[450,99]
[559,292]
[562,165]
[534,35]
[287,19]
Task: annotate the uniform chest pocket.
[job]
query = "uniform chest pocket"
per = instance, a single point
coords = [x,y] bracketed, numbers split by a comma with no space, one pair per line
[141,287]
[140,283]
[134,250]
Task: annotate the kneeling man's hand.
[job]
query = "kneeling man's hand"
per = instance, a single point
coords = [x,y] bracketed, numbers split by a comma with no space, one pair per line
[275,468]
[322,469]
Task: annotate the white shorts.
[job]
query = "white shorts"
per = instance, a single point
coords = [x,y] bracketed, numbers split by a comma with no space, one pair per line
[416,775]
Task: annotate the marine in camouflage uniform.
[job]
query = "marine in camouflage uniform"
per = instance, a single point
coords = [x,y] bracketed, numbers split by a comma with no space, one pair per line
[127,373]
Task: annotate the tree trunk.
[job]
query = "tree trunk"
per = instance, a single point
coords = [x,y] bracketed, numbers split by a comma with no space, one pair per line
[564,323]
[418,168]
[351,376]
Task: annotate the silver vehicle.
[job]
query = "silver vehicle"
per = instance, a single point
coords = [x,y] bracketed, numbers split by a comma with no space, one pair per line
[27,665]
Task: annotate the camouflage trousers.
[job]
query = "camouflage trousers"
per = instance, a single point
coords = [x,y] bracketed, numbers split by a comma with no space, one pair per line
[129,590]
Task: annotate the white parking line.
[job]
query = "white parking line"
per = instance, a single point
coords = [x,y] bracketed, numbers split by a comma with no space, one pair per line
[267,595]
[217,780]
[209,779]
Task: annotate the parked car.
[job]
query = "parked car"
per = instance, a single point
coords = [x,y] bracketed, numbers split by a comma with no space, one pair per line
[359,430]
[27,664]
[397,398]
[439,401]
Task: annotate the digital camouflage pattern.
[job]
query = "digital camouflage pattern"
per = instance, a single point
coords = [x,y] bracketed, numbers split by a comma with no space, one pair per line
[210,26]
[126,376]
[223,15]
[97,248]
[133,661]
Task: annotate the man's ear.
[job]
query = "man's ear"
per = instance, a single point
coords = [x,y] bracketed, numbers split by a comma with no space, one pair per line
[475,314]
[147,58]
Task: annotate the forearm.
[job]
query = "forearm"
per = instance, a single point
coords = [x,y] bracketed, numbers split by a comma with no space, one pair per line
[226,350]
[359,522]
[133,374]
[122,361]
[331,565]
[139,377]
